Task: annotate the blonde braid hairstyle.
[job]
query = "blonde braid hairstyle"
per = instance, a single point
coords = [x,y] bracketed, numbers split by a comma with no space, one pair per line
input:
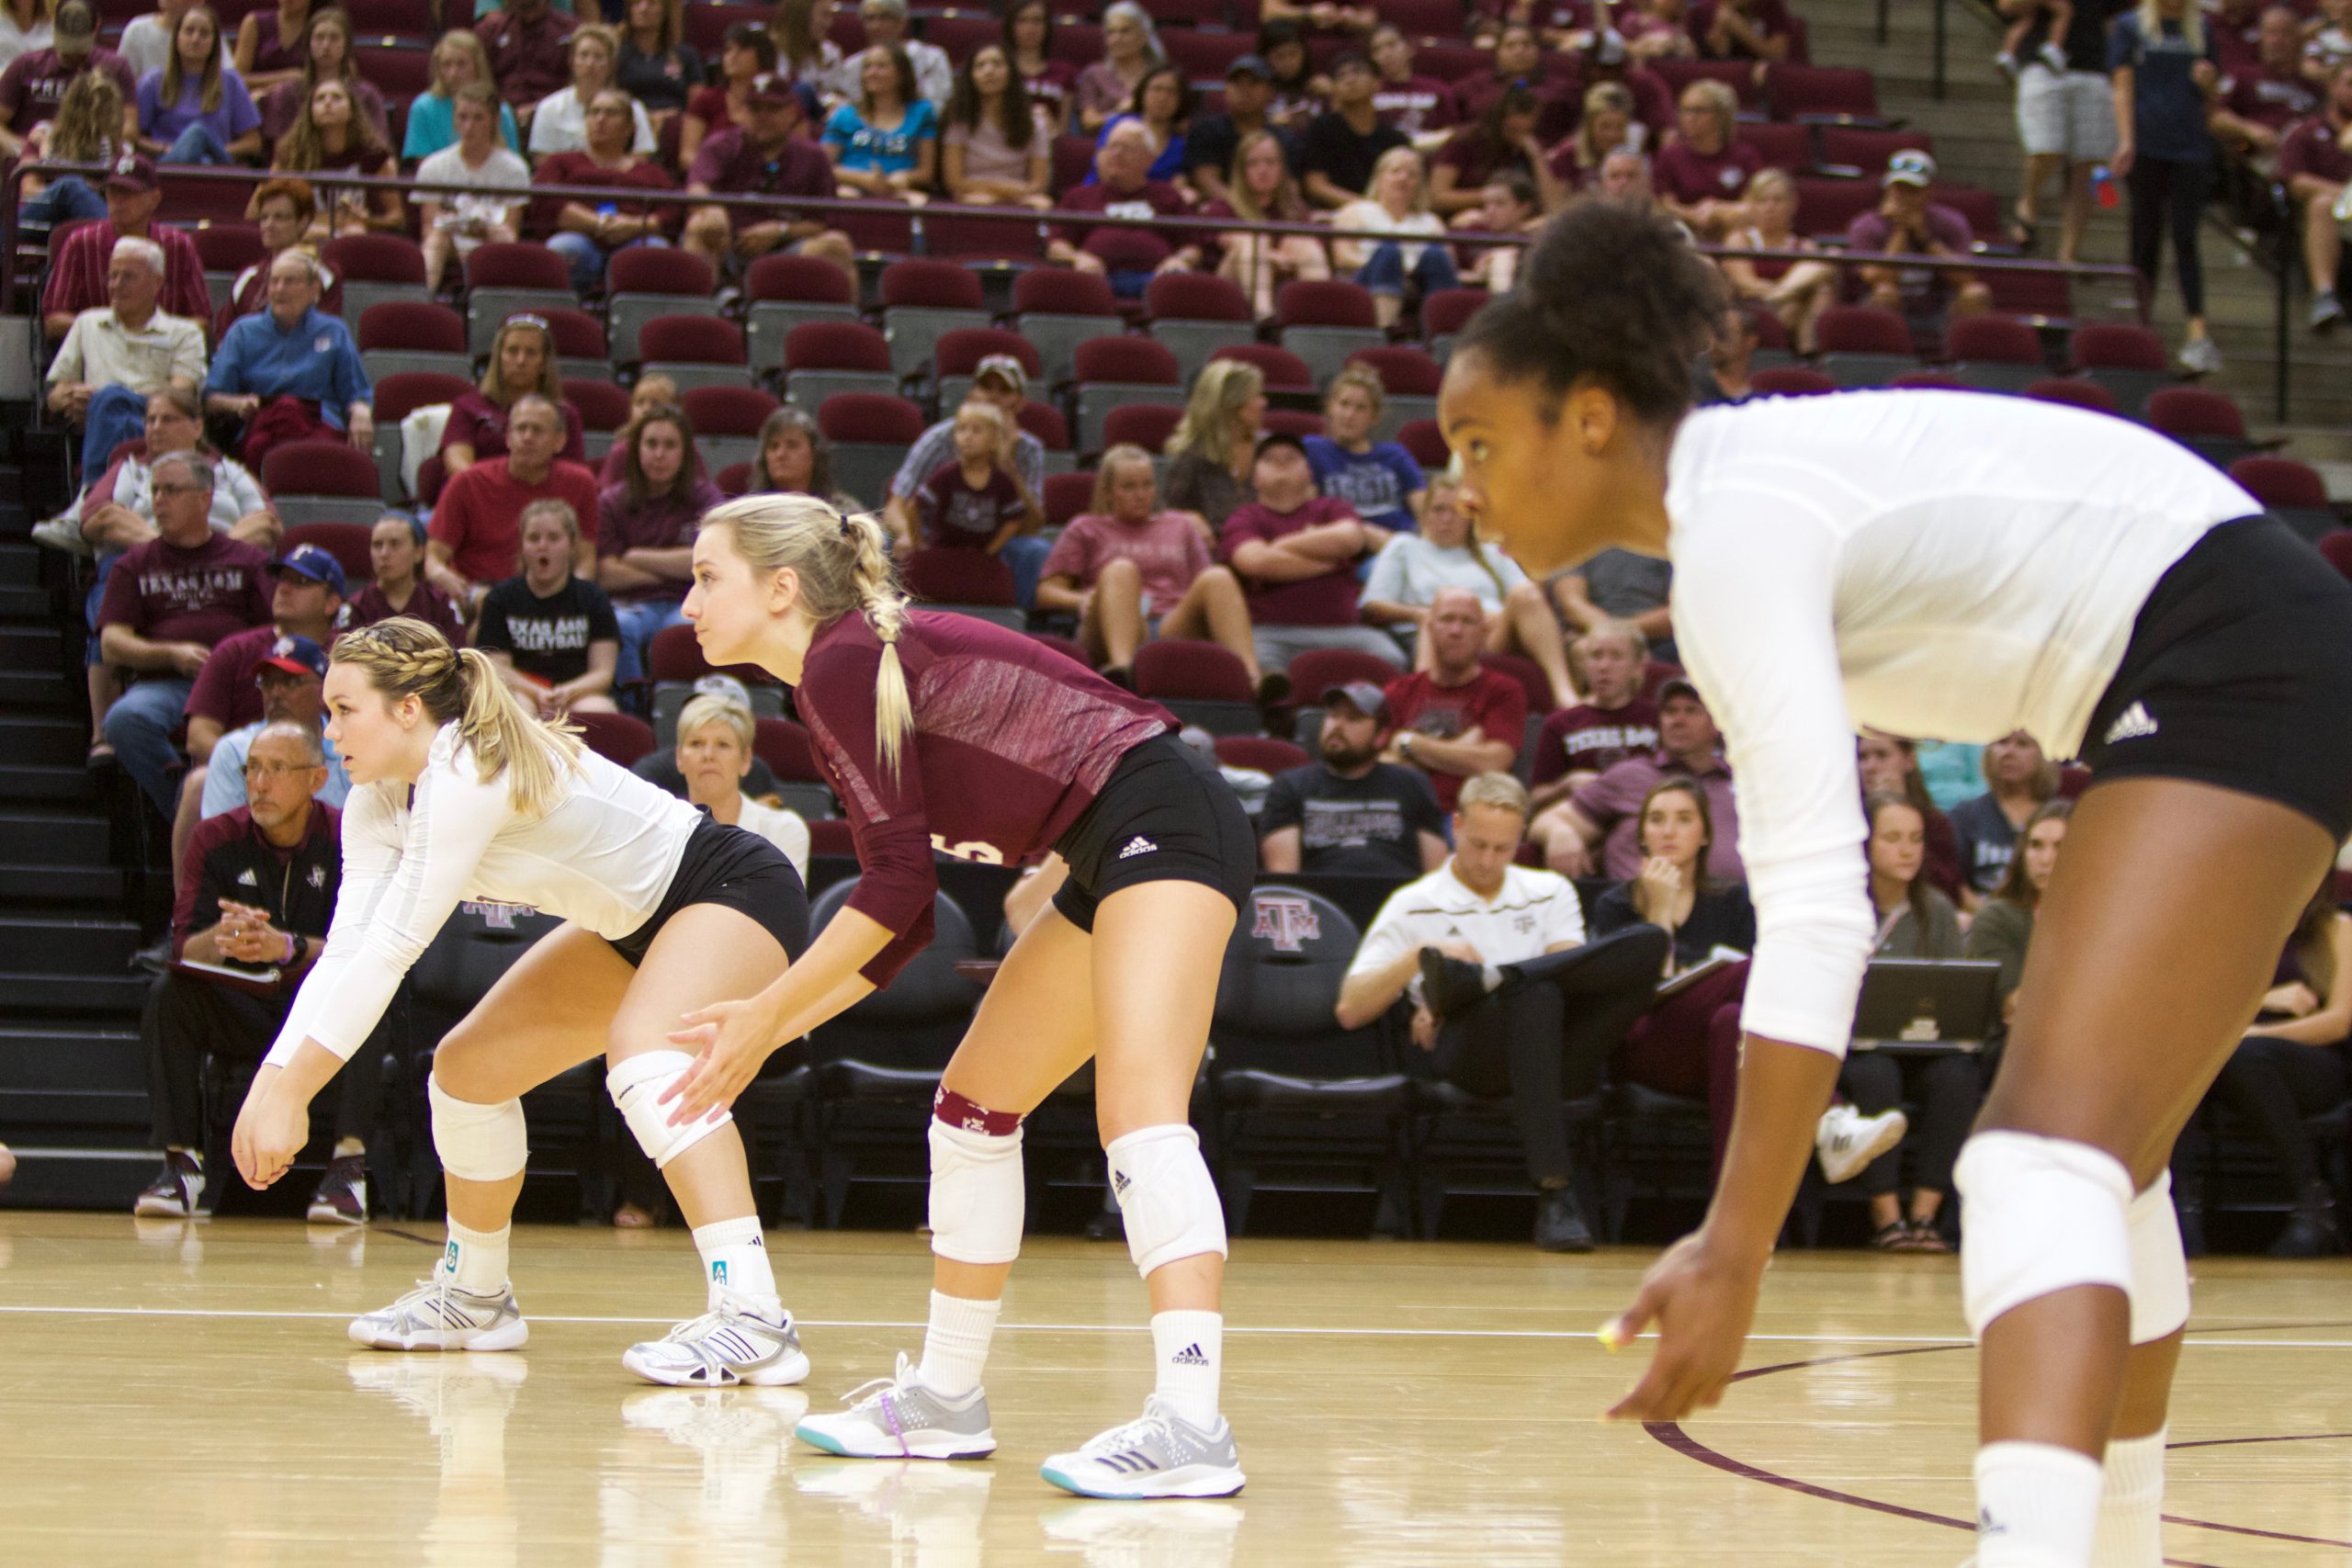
[843,562]
[405,658]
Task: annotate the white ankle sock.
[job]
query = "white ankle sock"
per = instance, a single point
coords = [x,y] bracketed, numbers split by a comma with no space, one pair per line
[475,1261]
[735,1254]
[1190,1349]
[2131,1505]
[2037,1506]
[956,1344]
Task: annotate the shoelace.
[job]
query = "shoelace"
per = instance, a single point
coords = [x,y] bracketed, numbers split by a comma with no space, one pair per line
[858,1398]
[1131,1436]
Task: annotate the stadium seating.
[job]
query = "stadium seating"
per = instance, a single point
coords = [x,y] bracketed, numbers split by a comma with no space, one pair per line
[643,282]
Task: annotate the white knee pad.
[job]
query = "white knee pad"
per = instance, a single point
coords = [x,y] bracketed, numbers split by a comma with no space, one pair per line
[636,1085]
[1165,1194]
[478,1142]
[978,1197]
[2041,1215]
[2159,1268]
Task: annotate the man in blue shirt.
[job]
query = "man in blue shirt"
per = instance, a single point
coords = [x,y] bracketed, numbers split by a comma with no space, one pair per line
[292,372]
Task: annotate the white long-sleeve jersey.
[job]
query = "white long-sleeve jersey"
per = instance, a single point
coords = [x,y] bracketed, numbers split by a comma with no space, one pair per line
[602,857]
[1945,566]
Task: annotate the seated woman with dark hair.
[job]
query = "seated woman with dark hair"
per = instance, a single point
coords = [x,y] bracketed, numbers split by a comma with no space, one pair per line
[885,141]
[1914,921]
[2003,929]
[1688,1044]
[326,56]
[725,100]
[1890,765]
[995,149]
[2296,1062]
[1162,104]
[645,531]
[795,458]
[1500,142]
[330,136]
[396,562]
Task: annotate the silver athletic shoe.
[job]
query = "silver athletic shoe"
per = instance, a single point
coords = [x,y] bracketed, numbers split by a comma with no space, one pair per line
[902,1419]
[728,1345]
[437,1315]
[1162,1455]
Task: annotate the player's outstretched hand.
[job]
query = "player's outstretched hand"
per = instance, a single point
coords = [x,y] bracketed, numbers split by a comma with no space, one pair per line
[272,1127]
[731,1041]
[1702,1302]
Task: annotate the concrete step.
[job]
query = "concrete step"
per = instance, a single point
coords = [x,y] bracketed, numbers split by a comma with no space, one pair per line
[47,946]
[35,785]
[97,887]
[51,837]
[33,994]
[55,1058]
[34,648]
[43,741]
[86,1175]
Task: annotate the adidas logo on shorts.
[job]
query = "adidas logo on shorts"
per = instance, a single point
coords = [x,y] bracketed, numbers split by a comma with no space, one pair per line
[1119,1183]
[1190,1356]
[2133,723]
[1138,845]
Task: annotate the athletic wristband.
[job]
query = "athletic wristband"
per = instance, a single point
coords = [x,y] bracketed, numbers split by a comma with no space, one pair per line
[293,946]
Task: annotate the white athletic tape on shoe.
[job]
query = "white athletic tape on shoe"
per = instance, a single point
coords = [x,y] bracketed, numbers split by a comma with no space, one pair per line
[2159,1267]
[978,1198]
[1165,1195]
[478,1142]
[637,1084]
[2040,1215]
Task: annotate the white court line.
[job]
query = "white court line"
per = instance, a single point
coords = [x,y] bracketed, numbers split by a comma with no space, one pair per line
[1922,1340]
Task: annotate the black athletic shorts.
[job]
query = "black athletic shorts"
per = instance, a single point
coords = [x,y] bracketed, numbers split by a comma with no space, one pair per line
[740,870]
[2239,674]
[1164,814]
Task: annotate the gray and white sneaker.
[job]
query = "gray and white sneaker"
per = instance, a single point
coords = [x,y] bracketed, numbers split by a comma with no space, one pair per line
[2327,311]
[437,1315]
[1162,1455]
[730,1344]
[2200,356]
[1847,1141]
[900,1419]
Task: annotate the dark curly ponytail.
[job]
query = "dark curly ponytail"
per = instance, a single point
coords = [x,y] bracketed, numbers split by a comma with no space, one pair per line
[1610,294]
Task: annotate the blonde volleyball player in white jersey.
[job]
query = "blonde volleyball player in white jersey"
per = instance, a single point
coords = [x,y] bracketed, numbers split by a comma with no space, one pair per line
[1951,565]
[459,792]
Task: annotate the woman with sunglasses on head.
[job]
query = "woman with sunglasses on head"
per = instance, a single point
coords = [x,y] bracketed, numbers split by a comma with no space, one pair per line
[1947,564]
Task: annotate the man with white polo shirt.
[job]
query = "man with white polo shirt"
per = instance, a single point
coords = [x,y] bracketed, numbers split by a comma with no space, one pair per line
[1508,996]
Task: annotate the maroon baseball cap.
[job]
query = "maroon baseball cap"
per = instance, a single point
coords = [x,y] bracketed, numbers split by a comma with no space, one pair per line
[135,174]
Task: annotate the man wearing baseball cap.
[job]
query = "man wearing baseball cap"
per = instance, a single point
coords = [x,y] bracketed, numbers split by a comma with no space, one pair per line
[305,601]
[1598,832]
[77,279]
[291,679]
[35,82]
[1002,380]
[1295,552]
[1906,224]
[1347,811]
[772,156]
[1214,138]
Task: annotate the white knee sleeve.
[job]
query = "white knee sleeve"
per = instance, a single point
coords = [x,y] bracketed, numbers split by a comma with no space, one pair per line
[1165,1194]
[2041,1215]
[636,1085]
[978,1197]
[478,1142]
[2159,1268]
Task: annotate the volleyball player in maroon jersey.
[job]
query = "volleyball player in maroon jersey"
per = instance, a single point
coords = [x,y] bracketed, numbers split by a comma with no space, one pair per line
[943,732]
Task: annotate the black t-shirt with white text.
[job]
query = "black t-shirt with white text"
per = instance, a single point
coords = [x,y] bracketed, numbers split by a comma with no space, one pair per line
[1366,827]
[548,639]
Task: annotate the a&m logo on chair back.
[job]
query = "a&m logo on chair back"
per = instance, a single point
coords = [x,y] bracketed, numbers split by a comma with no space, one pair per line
[1284,920]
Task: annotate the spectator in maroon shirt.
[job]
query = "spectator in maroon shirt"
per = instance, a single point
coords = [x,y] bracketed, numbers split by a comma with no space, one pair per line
[1421,107]
[1608,60]
[1705,167]
[2263,96]
[1123,187]
[772,158]
[1658,30]
[976,499]
[644,530]
[2314,165]
[396,556]
[1518,62]
[1295,553]
[1580,743]
[167,603]
[34,84]
[306,600]
[529,44]
[77,281]
[1456,719]
[1907,223]
[1598,829]
[1501,141]
[585,233]
[1760,30]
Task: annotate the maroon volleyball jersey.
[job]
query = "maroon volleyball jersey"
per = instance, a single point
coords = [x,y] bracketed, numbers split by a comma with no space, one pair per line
[1012,742]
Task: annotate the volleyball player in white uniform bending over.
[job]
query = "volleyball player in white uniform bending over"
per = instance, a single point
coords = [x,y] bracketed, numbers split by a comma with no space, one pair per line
[459,792]
[1951,565]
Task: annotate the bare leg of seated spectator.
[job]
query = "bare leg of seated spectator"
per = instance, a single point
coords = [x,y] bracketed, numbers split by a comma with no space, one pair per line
[1885,287]
[709,236]
[1112,625]
[106,686]
[833,245]
[437,248]
[1527,625]
[1562,845]
[593,704]
[2322,241]
[1214,608]
[1971,297]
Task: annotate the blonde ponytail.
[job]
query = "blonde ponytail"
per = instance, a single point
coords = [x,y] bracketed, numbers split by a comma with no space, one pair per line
[405,658]
[843,562]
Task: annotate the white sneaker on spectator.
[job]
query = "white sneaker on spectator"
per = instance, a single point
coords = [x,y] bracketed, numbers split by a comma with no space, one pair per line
[2201,356]
[1847,1140]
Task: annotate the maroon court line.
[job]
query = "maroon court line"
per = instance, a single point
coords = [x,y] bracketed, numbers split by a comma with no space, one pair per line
[1671,1435]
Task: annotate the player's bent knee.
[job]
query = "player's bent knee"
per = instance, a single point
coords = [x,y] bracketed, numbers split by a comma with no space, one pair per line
[979,1197]
[478,1141]
[636,1083]
[2159,1266]
[1165,1196]
[2043,1215]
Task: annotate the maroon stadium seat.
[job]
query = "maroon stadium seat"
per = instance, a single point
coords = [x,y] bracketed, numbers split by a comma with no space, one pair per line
[603,406]
[1404,372]
[869,417]
[1195,297]
[784,746]
[1045,423]
[1791,381]
[1426,442]
[1185,669]
[403,394]
[691,340]
[958,577]
[1821,93]
[2337,548]
[836,345]
[935,285]
[1316,672]
[1147,425]
[1930,381]
[2281,482]
[418,325]
[616,737]
[2075,394]
[1262,752]
[800,279]
[727,411]
[1283,370]
[1866,149]
[347,542]
[1529,676]
[2192,410]
[1066,496]
[959,352]
[1786,147]
[318,468]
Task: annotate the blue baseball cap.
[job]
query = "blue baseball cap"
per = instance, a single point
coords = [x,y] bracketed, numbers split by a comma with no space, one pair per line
[317,564]
[296,655]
